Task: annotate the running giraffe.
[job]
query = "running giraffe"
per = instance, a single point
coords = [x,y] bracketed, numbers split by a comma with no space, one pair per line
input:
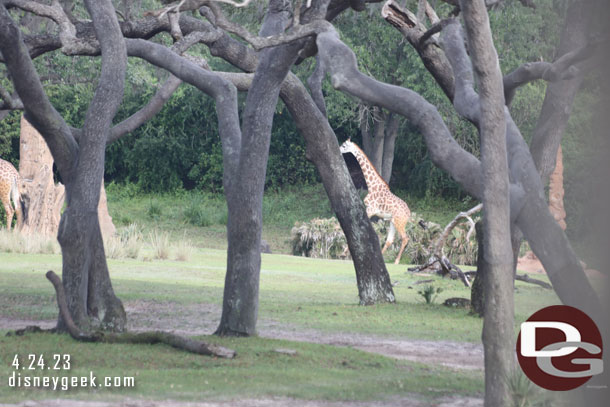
[380,201]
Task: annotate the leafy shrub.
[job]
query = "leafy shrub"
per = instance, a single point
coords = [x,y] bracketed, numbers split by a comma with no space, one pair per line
[154,210]
[201,211]
[430,293]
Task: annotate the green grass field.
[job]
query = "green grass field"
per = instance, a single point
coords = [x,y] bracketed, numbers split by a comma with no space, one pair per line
[306,305]
[297,294]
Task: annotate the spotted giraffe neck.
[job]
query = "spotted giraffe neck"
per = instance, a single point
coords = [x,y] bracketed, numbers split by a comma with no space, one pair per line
[374,181]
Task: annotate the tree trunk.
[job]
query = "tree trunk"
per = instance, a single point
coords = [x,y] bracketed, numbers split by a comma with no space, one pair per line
[389,143]
[498,331]
[477,292]
[373,136]
[245,199]
[556,191]
[374,285]
[379,140]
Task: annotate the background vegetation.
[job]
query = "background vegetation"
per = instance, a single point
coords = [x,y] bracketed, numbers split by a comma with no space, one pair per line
[179,150]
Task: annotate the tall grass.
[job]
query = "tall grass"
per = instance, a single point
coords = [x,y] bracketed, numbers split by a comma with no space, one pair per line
[15,242]
[126,243]
[159,242]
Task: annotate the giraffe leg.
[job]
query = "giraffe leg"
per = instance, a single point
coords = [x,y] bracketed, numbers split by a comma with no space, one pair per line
[17,202]
[9,214]
[405,240]
[390,239]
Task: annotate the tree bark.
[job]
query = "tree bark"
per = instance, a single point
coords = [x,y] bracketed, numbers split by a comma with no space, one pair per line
[498,331]
[240,299]
[81,165]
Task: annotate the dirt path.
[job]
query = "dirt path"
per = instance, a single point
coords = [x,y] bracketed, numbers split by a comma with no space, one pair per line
[204,318]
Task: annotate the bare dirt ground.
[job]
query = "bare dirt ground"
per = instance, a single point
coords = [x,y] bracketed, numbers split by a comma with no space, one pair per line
[204,318]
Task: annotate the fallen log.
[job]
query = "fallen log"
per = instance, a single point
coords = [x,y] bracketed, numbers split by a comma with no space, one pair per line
[528,279]
[153,337]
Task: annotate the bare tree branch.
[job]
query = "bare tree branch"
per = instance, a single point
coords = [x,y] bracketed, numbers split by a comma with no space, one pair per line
[445,152]
[562,69]
[315,85]
[71,44]
[143,115]
[38,109]
[11,102]
[465,100]
[432,55]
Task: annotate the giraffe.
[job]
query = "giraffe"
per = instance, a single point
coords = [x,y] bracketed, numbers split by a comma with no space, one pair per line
[9,190]
[380,201]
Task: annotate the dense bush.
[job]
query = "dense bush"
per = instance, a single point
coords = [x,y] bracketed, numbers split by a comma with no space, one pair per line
[323,238]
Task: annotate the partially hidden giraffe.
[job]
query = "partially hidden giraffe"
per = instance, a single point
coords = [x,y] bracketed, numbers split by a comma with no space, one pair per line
[10,185]
[380,201]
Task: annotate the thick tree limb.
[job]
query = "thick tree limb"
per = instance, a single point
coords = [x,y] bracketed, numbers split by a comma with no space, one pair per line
[432,56]
[562,69]
[38,109]
[71,44]
[466,101]
[164,92]
[340,61]
[154,106]
[315,85]
[527,279]
[186,344]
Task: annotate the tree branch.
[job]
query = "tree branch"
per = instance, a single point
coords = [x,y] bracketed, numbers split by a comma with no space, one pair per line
[71,44]
[432,56]
[445,152]
[164,92]
[143,115]
[11,102]
[440,242]
[562,69]
[38,109]
[465,100]
[315,85]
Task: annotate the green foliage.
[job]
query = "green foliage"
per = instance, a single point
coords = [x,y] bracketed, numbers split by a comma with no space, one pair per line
[9,138]
[430,293]
[524,393]
[204,212]
[155,210]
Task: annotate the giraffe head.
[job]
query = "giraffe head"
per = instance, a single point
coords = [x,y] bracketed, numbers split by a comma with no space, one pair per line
[348,147]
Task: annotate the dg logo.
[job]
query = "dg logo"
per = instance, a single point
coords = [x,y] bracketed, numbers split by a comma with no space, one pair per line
[560,348]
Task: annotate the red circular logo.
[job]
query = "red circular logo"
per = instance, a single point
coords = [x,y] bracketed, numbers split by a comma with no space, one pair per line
[560,348]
